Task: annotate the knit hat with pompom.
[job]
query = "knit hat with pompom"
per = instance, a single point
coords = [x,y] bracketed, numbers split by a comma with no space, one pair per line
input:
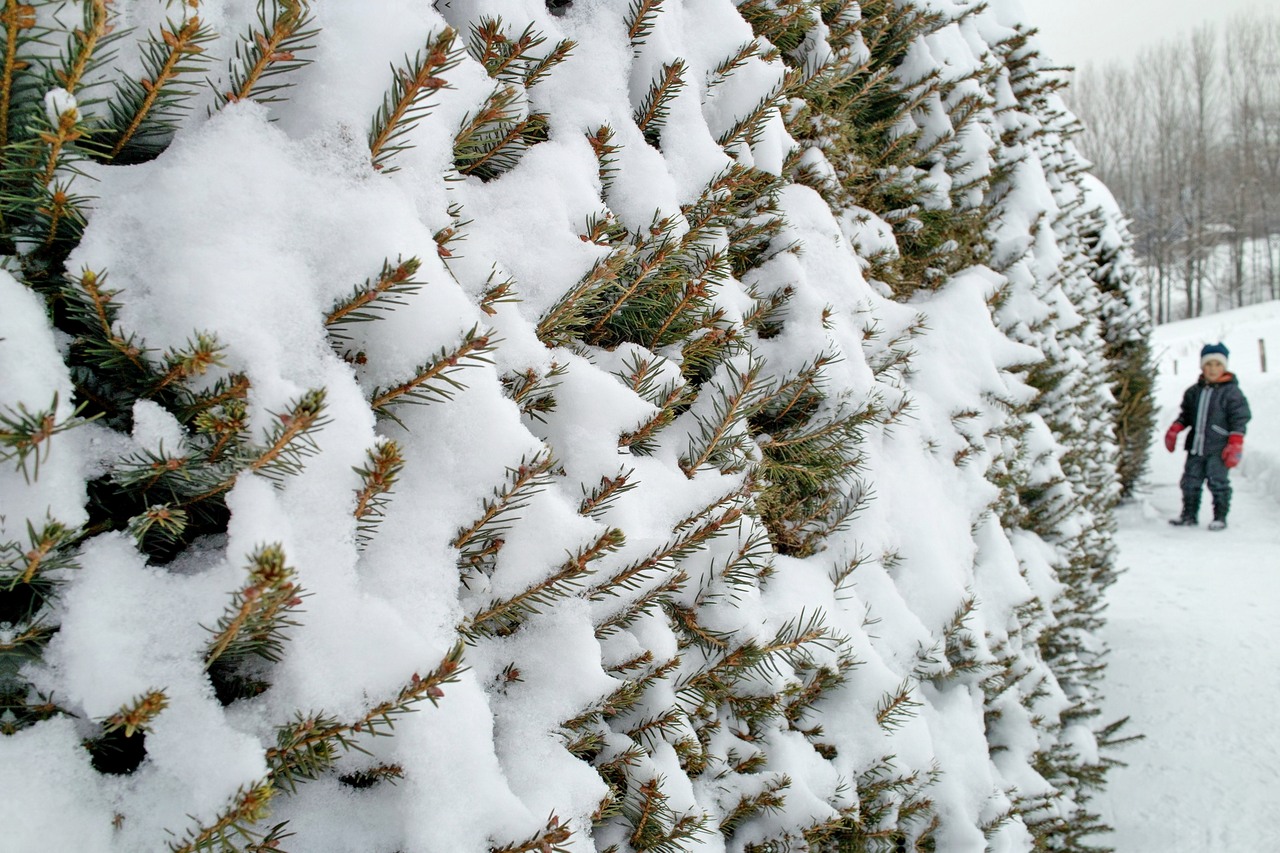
[1214,352]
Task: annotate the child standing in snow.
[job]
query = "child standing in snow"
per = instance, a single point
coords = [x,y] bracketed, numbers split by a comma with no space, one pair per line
[1216,412]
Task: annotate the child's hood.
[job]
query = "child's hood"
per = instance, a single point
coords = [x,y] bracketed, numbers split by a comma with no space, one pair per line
[1224,379]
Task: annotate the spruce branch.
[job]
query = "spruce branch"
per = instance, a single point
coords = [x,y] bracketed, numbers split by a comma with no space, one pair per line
[626,696]
[644,265]
[270,50]
[785,24]
[47,550]
[642,374]
[818,681]
[255,621]
[641,17]
[58,215]
[733,499]
[897,707]
[163,524]
[1107,739]
[453,233]
[747,129]
[510,60]
[497,293]
[597,501]
[795,400]
[136,716]
[798,528]
[715,682]
[666,557]
[188,362]
[491,140]
[309,746]
[606,151]
[686,622]
[584,744]
[652,113]
[605,230]
[57,135]
[503,617]
[26,641]
[92,307]
[703,354]
[720,203]
[377,479]
[732,63]
[770,799]
[655,728]
[479,542]
[961,644]
[655,825]
[660,595]
[576,309]
[84,51]
[843,17]
[20,29]
[381,293]
[768,313]
[691,310]
[844,569]
[490,45]
[891,805]
[233,388]
[434,381]
[809,453]
[144,112]
[532,391]
[408,100]
[25,434]
[549,839]
[640,661]
[291,439]
[538,70]
[648,674]
[717,441]
[750,562]
[222,418]
[233,826]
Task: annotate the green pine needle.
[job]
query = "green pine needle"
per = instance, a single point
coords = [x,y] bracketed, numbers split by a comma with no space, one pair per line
[408,101]
[269,51]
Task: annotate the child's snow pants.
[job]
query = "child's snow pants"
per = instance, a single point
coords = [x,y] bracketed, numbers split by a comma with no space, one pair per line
[1194,474]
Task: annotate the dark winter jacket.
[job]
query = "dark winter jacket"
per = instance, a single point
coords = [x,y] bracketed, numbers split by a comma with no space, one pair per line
[1211,412]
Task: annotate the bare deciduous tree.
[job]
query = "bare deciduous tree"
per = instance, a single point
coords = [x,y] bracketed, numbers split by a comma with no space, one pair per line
[1187,136]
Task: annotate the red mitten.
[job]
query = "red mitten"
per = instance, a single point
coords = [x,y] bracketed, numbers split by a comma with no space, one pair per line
[1171,437]
[1234,450]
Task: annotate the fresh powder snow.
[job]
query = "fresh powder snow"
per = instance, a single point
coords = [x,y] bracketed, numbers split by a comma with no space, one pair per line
[1192,624]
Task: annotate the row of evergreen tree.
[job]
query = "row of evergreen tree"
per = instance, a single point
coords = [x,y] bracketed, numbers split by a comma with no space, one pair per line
[734,711]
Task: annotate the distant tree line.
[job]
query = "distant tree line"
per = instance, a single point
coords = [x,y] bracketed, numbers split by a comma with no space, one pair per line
[1187,136]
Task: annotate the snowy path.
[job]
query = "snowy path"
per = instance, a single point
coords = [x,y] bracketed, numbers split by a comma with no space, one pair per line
[1194,628]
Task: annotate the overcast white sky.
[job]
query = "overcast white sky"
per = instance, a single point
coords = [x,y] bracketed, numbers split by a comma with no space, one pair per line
[1076,32]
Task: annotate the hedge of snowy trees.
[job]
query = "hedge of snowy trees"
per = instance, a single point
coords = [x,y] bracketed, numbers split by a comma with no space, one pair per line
[575,426]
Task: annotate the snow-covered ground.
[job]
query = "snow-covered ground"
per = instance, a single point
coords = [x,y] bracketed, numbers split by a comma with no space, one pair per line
[1194,626]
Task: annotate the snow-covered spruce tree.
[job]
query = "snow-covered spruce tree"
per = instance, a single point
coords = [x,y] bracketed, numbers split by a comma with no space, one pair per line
[521,395]
[919,133]
[1126,327]
[1071,506]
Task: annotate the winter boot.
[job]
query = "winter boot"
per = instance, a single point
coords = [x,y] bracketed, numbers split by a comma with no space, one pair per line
[1184,521]
[1218,524]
